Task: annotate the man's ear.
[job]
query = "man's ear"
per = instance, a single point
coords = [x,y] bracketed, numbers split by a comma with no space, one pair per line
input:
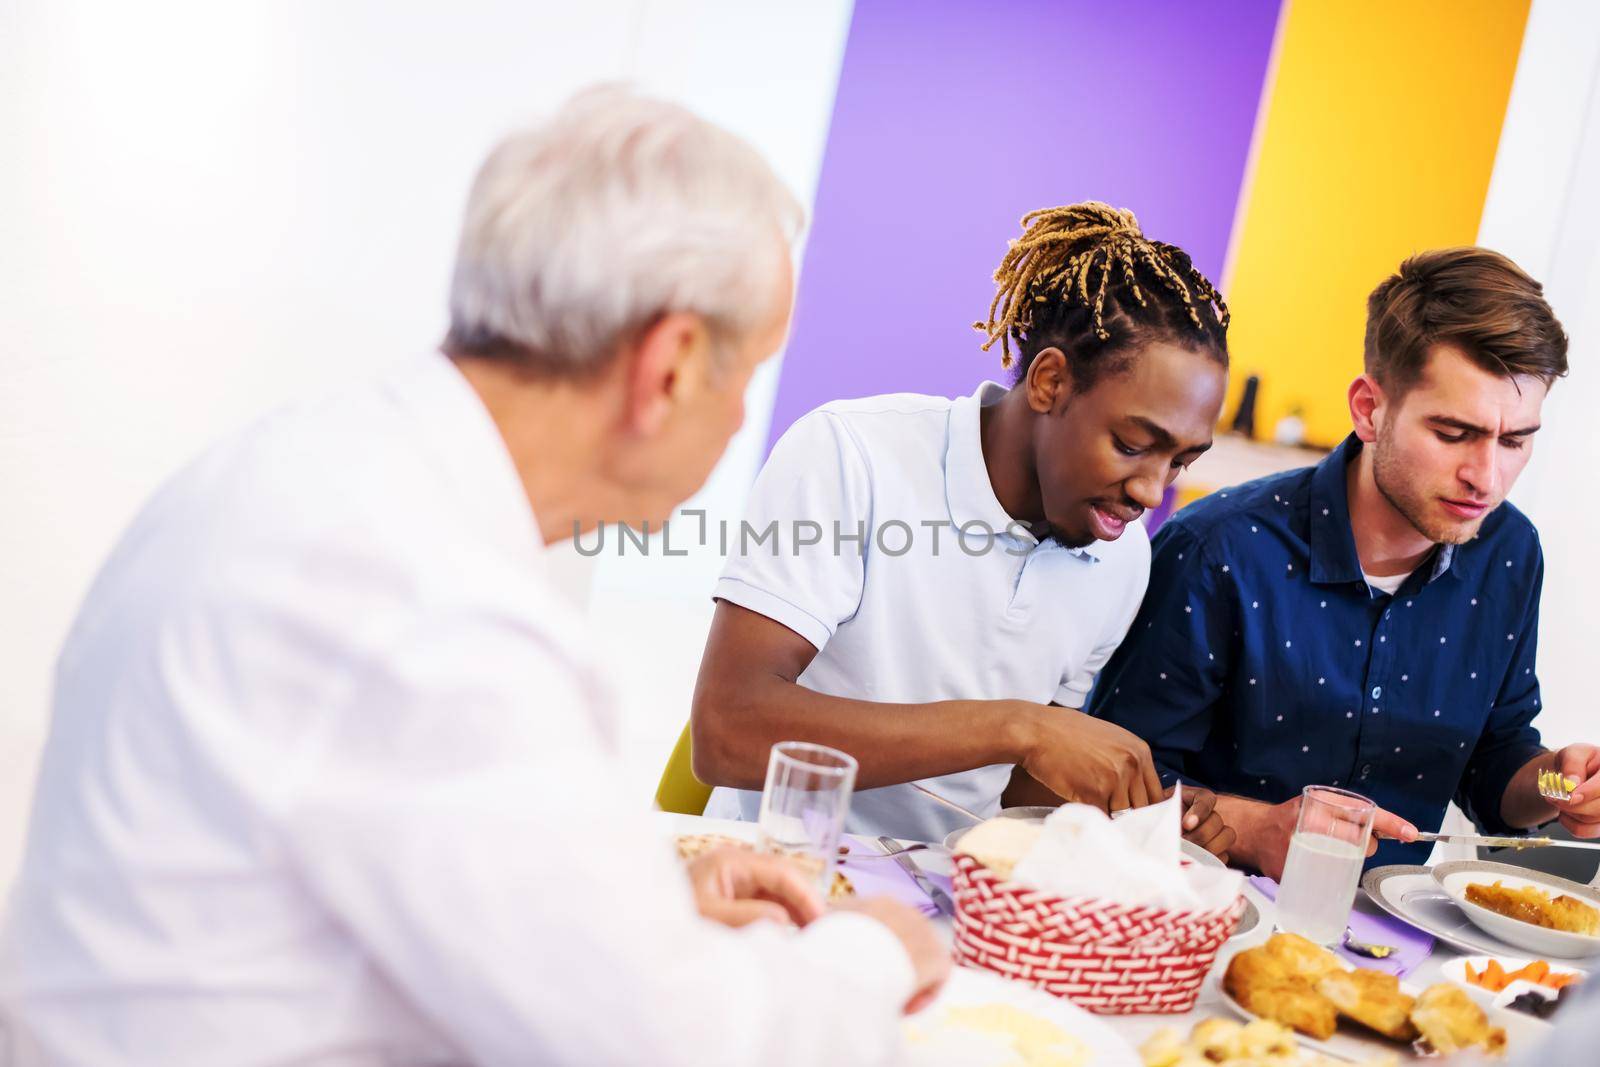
[1368,406]
[669,361]
[1049,381]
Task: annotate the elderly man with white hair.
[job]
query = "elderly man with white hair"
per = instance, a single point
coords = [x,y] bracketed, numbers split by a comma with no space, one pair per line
[331,770]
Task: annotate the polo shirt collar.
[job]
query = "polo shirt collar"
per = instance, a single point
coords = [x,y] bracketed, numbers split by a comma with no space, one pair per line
[1333,543]
[968,491]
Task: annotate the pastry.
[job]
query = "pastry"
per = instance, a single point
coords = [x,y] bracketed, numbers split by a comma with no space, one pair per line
[1531,905]
[1450,1021]
[1372,999]
[1265,986]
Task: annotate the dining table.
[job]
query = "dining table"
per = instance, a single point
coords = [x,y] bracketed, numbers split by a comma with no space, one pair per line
[1135,1029]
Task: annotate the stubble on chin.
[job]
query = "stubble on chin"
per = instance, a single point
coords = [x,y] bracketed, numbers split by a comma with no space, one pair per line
[1418,510]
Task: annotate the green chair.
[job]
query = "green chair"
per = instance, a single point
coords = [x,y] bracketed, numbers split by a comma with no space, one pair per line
[680,791]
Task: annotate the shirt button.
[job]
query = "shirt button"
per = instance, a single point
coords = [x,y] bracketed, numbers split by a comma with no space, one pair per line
[1366,769]
[1377,691]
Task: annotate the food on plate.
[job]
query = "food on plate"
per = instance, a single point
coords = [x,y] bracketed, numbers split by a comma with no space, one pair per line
[1225,1043]
[1532,905]
[1264,984]
[1305,958]
[1299,984]
[1034,1041]
[1372,999]
[1000,844]
[692,845]
[1495,978]
[1450,1022]
[1539,1005]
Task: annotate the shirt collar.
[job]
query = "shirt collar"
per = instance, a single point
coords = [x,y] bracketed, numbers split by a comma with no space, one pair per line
[1333,544]
[457,433]
[968,491]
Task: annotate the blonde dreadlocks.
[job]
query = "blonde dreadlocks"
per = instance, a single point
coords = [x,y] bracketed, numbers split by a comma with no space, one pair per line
[1073,265]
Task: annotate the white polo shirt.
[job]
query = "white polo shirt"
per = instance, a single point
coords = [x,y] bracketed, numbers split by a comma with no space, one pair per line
[912,612]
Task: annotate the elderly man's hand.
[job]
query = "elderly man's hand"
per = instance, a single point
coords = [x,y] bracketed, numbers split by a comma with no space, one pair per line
[736,887]
[1581,814]
[929,956]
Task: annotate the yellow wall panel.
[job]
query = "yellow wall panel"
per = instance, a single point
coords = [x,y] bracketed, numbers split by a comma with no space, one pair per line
[1379,137]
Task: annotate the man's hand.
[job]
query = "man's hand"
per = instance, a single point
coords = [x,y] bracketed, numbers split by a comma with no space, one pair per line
[1203,823]
[736,887]
[1581,814]
[930,957]
[1082,758]
[1265,829]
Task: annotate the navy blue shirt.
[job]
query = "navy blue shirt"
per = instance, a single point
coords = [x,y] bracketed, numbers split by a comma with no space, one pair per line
[1261,661]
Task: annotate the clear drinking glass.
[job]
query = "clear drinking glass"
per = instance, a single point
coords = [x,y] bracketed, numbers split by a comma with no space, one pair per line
[1324,865]
[804,803]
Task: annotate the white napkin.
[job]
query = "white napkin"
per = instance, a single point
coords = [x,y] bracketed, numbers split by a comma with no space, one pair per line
[1133,859]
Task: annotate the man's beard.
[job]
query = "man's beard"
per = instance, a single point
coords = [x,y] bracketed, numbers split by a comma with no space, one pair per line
[1066,540]
[1388,472]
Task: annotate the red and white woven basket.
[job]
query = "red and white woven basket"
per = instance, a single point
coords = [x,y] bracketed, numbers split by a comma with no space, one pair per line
[1114,959]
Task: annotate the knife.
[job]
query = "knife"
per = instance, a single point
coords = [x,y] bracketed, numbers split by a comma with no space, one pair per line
[941,899]
[947,802]
[1506,842]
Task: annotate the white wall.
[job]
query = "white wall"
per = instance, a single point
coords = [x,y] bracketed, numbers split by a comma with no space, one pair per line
[208,208]
[1543,210]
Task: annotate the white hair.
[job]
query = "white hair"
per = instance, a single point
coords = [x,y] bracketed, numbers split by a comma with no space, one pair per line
[616,210]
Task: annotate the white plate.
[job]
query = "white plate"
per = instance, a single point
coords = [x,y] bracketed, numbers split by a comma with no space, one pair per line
[1410,894]
[1455,970]
[973,988]
[1352,1041]
[1454,878]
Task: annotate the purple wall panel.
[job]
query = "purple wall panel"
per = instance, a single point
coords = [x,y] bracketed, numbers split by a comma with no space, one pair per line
[954,119]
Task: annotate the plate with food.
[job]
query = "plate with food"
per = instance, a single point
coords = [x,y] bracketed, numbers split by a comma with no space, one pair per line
[692,845]
[1536,912]
[1409,893]
[980,1019]
[1351,1012]
[1230,1043]
[1506,981]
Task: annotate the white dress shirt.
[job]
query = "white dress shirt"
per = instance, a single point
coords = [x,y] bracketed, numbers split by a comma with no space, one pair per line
[913,613]
[331,780]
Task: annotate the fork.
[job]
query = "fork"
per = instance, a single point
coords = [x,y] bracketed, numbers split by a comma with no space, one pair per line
[1554,786]
[899,850]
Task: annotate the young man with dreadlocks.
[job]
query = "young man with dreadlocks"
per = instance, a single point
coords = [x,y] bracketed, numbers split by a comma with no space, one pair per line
[949,576]
[1371,622]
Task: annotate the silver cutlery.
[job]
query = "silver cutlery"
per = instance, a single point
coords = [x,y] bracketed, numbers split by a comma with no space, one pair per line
[1506,842]
[846,854]
[940,898]
[952,805]
[1369,949]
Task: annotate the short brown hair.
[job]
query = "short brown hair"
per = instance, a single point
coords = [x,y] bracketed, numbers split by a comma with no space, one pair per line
[1472,298]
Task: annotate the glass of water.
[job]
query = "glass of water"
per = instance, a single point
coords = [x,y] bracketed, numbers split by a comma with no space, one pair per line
[1326,854]
[804,803]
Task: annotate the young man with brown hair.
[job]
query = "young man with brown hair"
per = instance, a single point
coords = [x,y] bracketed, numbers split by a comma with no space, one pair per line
[1371,622]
